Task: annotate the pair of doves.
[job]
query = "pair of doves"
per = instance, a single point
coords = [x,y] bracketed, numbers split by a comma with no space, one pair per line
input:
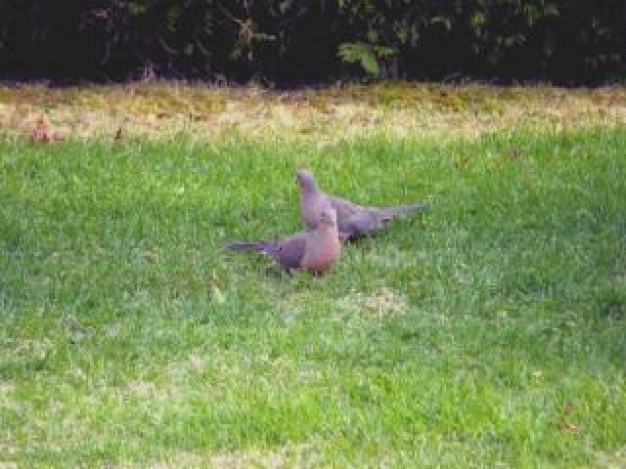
[331,220]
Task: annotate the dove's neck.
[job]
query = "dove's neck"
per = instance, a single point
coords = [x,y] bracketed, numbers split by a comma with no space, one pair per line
[326,231]
[313,195]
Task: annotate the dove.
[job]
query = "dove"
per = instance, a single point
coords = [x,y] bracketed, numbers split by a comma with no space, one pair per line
[353,221]
[314,251]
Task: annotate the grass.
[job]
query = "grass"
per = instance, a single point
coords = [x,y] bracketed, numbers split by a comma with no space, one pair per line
[311,117]
[490,331]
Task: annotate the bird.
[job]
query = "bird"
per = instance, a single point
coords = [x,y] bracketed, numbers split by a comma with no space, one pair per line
[353,221]
[314,251]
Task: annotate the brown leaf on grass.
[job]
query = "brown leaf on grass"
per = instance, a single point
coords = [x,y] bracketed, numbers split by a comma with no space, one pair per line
[563,423]
[43,133]
[568,427]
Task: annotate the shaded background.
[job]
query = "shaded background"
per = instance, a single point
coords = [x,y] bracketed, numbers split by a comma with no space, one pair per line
[291,42]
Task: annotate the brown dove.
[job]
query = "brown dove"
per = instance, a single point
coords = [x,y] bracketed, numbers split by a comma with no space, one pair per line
[353,221]
[315,251]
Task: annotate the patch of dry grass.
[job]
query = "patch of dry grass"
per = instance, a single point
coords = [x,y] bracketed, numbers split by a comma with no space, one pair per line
[164,110]
[287,456]
[614,460]
[382,302]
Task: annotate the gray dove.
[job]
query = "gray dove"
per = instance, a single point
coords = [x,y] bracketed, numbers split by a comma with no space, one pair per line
[314,251]
[353,221]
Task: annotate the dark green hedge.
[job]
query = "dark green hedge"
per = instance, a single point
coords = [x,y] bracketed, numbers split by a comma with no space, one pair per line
[292,41]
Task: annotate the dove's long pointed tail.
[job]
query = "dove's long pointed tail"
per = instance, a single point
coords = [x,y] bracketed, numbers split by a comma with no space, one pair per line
[261,246]
[403,210]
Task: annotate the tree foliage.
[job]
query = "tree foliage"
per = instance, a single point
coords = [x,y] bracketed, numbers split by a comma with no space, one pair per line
[293,41]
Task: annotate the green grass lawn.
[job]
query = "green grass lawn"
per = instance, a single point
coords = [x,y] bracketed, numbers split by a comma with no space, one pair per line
[489,332]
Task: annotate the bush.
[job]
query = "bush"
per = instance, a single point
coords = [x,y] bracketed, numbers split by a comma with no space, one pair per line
[295,41]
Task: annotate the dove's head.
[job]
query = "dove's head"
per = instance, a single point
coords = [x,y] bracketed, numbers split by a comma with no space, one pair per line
[328,216]
[305,179]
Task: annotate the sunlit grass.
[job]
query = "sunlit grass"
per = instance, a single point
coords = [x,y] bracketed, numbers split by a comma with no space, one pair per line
[490,331]
[166,110]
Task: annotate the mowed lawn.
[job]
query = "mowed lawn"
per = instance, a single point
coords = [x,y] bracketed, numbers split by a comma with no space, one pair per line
[490,331]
